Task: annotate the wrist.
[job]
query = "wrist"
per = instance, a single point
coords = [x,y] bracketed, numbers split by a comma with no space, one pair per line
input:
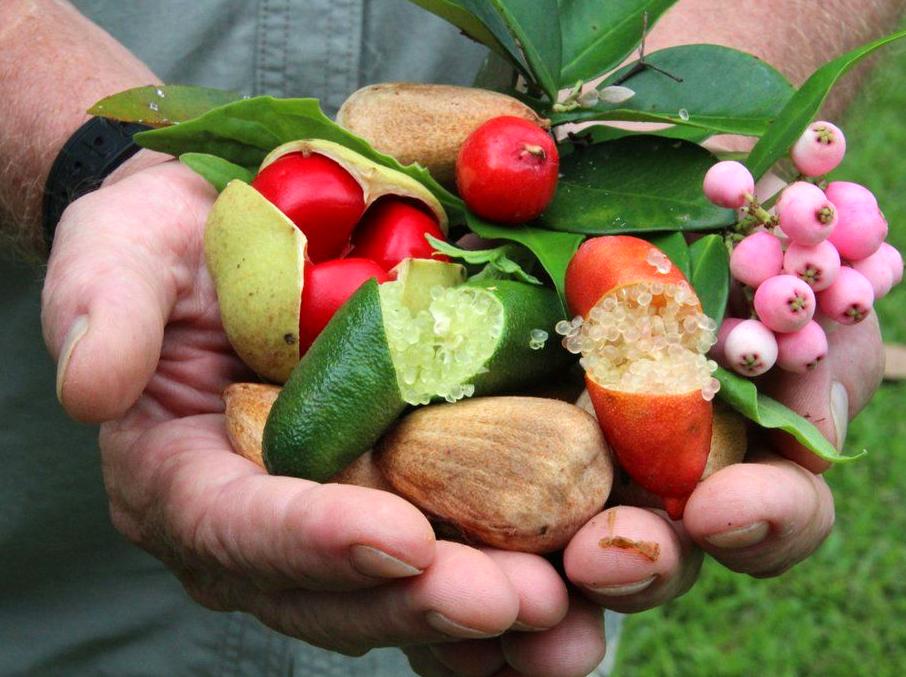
[54,63]
[143,159]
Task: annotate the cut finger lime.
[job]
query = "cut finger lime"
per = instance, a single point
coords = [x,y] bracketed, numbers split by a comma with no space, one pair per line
[395,345]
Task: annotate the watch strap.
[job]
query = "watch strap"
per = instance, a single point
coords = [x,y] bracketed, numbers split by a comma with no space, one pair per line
[90,155]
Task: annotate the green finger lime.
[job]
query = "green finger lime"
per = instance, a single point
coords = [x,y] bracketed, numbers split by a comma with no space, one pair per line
[421,338]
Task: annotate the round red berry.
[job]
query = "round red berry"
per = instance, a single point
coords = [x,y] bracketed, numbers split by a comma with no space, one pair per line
[507,170]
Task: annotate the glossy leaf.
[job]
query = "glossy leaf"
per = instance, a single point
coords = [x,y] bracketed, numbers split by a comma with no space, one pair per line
[553,250]
[742,395]
[675,247]
[636,184]
[497,74]
[243,132]
[485,13]
[722,90]
[163,105]
[500,262]
[535,24]
[455,12]
[602,133]
[217,171]
[802,108]
[597,36]
[711,275]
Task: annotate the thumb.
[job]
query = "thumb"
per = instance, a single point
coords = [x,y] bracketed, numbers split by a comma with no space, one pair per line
[833,393]
[119,260]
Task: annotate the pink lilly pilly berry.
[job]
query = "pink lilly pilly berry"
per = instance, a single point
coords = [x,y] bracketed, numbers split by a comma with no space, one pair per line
[784,303]
[819,150]
[802,350]
[877,270]
[894,260]
[816,265]
[717,352]
[849,299]
[755,259]
[750,348]
[861,227]
[728,183]
[806,215]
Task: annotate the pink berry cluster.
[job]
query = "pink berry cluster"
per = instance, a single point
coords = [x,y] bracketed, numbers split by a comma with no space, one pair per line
[818,258]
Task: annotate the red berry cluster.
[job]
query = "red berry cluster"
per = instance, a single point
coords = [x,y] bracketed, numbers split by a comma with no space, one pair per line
[347,245]
[816,260]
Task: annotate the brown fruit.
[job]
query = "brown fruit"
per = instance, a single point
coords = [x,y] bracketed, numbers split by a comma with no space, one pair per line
[247,407]
[729,441]
[426,123]
[363,472]
[517,473]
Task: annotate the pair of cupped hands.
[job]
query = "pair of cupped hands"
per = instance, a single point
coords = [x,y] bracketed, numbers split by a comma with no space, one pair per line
[130,313]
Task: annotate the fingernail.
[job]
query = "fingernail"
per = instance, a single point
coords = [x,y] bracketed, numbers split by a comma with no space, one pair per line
[78,329]
[519,626]
[623,589]
[742,537]
[378,564]
[450,627]
[839,406]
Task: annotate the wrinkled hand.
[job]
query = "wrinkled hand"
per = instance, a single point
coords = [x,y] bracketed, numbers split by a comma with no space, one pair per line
[760,518]
[130,312]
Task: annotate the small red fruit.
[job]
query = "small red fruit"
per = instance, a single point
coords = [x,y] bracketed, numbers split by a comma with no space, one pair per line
[394,229]
[327,287]
[319,196]
[507,170]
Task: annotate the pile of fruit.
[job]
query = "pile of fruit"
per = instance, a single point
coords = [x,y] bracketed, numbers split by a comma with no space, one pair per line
[491,312]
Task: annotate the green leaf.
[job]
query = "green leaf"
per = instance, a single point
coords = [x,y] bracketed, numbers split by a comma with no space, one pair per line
[711,275]
[215,170]
[536,26]
[675,247]
[632,185]
[501,261]
[723,90]
[244,131]
[742,395]
[497,74]
[163,105]
[804,105]
[455,12]
[554,250]
[598,36]
[485,13]
[603,133]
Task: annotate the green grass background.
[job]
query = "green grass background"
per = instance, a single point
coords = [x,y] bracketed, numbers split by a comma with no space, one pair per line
[843,611]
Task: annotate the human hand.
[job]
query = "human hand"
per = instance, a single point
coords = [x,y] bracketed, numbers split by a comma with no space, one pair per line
[760,517]
[131,314]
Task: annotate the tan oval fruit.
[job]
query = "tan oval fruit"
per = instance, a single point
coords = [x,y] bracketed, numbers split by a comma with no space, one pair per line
[517,473]
[247,407]
[426,123]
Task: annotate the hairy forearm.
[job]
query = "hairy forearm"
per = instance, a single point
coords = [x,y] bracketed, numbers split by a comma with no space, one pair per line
[54,63]
[796,36]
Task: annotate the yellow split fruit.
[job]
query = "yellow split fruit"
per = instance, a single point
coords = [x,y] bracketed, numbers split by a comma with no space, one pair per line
[257,257]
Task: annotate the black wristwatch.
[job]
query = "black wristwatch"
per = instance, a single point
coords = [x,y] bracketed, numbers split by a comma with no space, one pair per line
[86,159]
